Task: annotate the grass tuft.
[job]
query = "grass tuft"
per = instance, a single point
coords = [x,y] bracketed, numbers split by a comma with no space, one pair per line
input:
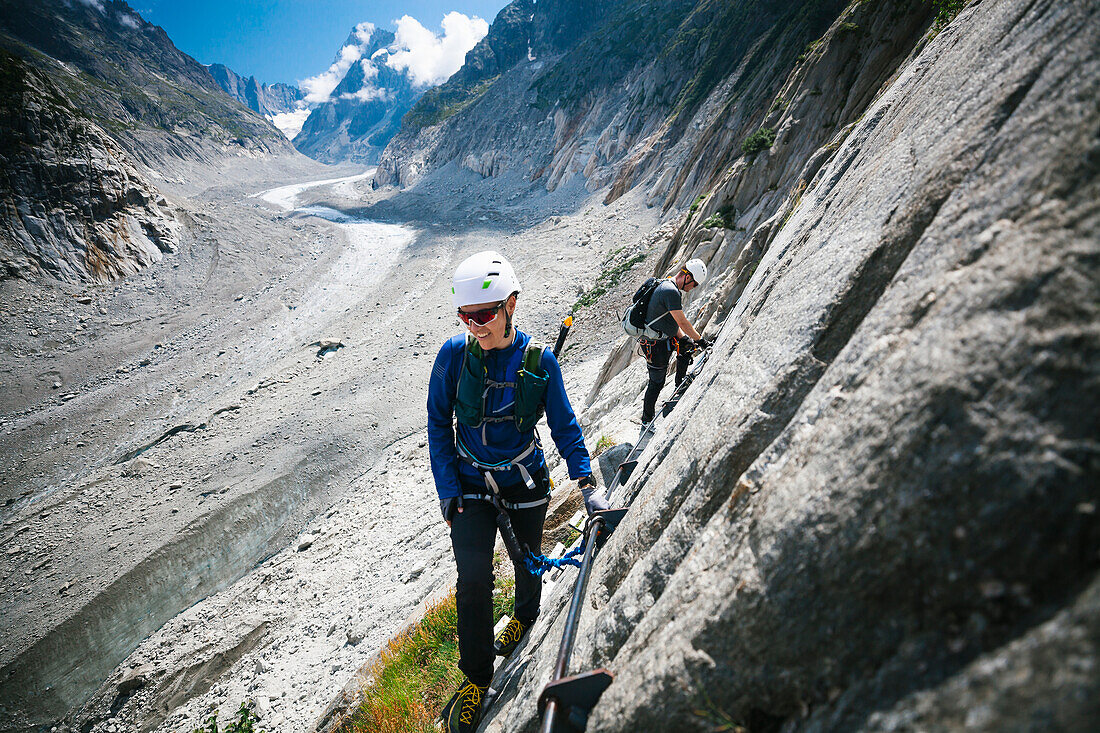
[244,723]
[603,444]
[724,217]
[417,671]
[946,10]
[695,204]
[606,280]
[414,677]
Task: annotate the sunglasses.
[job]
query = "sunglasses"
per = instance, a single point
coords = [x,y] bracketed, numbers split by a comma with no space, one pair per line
[482,317]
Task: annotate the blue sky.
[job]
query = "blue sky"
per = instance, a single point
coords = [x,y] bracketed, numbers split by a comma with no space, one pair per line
[287,40]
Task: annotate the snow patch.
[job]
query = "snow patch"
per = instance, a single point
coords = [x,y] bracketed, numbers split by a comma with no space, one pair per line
[290,123]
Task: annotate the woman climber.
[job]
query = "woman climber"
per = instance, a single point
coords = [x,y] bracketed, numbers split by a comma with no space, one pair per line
[497,383]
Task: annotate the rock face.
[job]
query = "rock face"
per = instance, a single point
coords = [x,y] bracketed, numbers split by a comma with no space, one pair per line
[267,99]
[875,508]
[364,110]
[91,94]
[611,93]
[75,207]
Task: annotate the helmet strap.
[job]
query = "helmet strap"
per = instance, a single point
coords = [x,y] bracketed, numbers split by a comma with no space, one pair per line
[508,316]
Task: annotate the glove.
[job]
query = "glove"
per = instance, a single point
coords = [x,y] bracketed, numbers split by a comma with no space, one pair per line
[593,501]
[704,344]
[685,348]
[450,506]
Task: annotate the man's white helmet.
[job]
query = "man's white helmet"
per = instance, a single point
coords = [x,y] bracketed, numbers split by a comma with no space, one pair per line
[483,278]
[698,270]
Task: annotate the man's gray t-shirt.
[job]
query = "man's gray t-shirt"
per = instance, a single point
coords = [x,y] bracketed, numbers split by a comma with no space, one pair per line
[665,298]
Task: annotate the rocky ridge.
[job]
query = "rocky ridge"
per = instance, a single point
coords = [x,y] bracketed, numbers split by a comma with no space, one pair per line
[641,93]
[102,106]
[157,102]
[76,207]
[267,99]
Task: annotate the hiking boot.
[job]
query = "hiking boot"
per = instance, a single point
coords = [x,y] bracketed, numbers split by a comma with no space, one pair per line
[508,639]
[463,712]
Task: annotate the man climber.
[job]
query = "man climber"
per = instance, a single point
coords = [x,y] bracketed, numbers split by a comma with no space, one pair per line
[666,316]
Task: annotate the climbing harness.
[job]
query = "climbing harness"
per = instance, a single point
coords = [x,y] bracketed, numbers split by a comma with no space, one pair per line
[488,469]
[531,380]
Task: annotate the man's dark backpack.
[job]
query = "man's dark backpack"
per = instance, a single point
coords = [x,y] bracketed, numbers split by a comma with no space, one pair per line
[634,320]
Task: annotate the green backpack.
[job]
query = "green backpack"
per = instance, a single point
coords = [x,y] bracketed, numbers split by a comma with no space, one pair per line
[474,383]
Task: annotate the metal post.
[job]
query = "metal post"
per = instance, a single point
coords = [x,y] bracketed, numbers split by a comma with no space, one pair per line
[565,651]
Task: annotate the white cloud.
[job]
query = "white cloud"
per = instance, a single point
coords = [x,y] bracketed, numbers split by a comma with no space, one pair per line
[368,94]
[428,58]
[128,20]
[290,123]
[363,32]
[319,88]
[97,4]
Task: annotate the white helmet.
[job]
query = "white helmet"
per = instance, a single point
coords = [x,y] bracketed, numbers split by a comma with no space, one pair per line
[483,278]
[698,270]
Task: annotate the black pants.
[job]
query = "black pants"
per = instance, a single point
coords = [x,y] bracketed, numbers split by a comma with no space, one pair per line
[473,535]
[657,354]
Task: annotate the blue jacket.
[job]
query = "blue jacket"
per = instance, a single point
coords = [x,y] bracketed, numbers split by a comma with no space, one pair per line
[501,439]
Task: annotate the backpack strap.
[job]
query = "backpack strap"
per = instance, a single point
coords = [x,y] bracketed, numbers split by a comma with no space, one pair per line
[531,382]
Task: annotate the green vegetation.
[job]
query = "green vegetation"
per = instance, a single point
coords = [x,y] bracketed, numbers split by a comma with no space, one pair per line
[417,671]
[846,28]
[504,592]
[810,48]
[946,10]
[695,204]
[414,677]
[570,536]
[716,719]
[603,444]
[244,723]
[759,140]
[724,218]
[778,104]
[606,280]
[442,102]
